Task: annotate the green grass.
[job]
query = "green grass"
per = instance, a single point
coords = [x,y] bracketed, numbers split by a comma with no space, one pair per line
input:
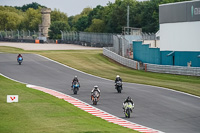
[40,112]
[93,62]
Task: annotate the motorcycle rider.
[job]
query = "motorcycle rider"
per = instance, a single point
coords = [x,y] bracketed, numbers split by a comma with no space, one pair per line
[116,80]
[96,88]
[75,79]
[19,55]
[128,99]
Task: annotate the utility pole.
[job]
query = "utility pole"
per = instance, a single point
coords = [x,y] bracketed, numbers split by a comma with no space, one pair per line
[128,16]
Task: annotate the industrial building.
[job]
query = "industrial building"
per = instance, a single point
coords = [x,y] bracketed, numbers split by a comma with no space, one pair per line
[179,37]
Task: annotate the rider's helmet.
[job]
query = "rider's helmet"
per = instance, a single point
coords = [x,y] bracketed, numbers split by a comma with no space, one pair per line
[129,98]
[117,76]
[95,87]
[75,77]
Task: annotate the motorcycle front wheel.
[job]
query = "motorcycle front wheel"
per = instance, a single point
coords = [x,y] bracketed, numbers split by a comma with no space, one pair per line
[127,114]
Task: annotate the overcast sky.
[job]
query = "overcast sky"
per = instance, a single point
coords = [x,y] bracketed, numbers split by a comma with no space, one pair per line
[70,7]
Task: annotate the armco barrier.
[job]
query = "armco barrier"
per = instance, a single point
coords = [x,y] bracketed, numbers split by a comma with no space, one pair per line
[122,60]
[192,71]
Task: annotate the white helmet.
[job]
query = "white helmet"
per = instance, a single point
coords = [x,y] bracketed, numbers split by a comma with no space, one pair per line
[75,77]
[117,76]
[95,87]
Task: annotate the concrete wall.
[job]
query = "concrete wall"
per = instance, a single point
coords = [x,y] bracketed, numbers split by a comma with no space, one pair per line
[153,43]
[143,53]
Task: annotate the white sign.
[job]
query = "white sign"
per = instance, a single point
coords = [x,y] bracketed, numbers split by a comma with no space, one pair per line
[12,98]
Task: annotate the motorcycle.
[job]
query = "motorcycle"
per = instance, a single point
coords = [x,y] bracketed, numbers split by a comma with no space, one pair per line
[75,87]
[128,107]
[119,86]
[95,97]
[20,60]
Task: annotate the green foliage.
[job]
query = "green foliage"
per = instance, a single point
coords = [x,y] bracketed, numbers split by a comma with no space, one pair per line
[108,19]
[96,26]
[82,23]
[32,19]
[56,28]
[70,21]
[9,20]
[57,15]
[27,17]
[86,11]
[143,15]
[33,5]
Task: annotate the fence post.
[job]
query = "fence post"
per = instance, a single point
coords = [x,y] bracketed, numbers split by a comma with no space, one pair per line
[18,34]
[136,65]
[145,67]
[61,34]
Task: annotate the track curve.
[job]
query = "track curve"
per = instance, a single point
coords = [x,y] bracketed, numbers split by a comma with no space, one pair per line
[157,108]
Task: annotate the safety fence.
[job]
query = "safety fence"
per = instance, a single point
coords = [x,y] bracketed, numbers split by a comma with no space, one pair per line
[107,51]
[121,46]
[88,38]
[148,36]
[103,38]
[70,36]
[179,70]
[11,34]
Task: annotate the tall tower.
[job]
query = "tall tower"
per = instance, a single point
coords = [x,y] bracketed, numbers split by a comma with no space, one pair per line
[46,21]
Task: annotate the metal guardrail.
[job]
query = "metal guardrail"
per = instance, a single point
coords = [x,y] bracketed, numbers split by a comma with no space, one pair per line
[107,51]
[179,70]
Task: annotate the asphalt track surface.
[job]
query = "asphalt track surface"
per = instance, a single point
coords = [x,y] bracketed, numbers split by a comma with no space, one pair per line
[158,108]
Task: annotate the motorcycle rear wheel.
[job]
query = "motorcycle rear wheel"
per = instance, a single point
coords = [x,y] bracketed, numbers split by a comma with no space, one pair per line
[119,90]
[95,102]
[75,91]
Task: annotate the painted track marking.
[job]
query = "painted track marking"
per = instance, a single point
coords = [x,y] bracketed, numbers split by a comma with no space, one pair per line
[95,111]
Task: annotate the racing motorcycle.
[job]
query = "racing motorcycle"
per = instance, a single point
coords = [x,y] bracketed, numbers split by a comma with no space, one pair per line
[128,108]
[95,97]
[75,87]
[19,60]
[119,86]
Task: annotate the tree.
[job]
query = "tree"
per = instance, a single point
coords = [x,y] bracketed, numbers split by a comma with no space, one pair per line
[33,5]
[96,26]
[96,13]
[56,28]
[9,20]
[86,11]
[57,15]
[82,23]
[32,19]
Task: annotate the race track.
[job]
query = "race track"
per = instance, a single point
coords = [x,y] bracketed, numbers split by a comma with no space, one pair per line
[158,108]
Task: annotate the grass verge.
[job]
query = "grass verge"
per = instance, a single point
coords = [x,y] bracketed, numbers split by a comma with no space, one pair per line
[93,62]
[40,112]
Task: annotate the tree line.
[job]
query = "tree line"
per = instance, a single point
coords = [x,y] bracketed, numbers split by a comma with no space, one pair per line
[104,19]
